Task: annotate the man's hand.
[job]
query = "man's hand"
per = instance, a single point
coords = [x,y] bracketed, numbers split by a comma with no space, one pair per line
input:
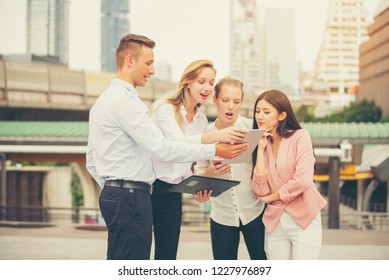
[227,151]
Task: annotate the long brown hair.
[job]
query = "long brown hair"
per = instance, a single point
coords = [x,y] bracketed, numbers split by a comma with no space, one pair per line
[288,126]
[280,101]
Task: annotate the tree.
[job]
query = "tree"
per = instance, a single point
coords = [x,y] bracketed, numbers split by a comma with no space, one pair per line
[303,114]
[362,111]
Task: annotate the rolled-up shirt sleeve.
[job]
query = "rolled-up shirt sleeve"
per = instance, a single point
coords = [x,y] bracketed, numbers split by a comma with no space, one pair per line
[201,166]
[260,184]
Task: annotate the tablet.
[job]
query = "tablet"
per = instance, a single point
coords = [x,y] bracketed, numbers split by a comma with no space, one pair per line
[252,139]
[196,183]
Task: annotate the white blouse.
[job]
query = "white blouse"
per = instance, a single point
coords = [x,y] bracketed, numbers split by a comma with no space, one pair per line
[237,203]
[165,119]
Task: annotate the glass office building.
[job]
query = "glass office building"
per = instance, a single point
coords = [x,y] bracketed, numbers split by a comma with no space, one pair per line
[48,28]
[114,25]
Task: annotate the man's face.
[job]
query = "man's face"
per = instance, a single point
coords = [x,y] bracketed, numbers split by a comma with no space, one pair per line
[143,66]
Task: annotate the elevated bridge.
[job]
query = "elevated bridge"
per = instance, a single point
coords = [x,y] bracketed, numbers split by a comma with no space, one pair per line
[44,91]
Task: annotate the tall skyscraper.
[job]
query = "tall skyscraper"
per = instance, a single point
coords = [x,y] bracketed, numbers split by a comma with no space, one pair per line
[374,60]
[114,25]
[48,28]
[337,64]
[247,57]
[282,69]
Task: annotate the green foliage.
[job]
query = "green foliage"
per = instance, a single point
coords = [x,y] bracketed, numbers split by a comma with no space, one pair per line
[304,114]
[385,119]
[362,111]
[77,193]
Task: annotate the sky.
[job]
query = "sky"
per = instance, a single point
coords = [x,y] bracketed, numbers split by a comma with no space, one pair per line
[184,30]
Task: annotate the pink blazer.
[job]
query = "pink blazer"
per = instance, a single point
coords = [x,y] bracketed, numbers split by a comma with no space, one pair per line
[292,176]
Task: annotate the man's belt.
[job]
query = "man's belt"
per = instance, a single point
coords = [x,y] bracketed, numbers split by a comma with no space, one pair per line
[127,184]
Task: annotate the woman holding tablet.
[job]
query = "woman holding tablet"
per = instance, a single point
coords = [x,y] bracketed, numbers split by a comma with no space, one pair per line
[179,117]
[236,210]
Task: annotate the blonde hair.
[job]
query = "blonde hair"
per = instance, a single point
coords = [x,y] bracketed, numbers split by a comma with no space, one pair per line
[181,95]
[228,81]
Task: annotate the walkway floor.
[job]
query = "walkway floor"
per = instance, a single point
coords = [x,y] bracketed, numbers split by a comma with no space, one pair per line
[66,242]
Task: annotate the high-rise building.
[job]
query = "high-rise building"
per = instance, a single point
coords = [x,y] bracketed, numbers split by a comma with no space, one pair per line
[282,68]
[114,25]
[247,57]
[374,60]
[163,70]
[48,28]
[337,64]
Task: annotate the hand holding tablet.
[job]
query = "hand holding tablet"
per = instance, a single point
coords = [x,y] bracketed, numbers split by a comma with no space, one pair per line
[196,183]
[254,135]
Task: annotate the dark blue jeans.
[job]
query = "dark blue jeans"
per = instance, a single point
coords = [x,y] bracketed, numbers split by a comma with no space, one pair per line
[128,216]
[225,240]
[167,216]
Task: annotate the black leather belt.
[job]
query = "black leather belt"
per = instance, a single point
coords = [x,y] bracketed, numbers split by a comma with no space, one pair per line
[127,184]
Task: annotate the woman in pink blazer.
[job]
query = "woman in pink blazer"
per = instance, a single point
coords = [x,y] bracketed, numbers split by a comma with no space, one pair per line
[283,179]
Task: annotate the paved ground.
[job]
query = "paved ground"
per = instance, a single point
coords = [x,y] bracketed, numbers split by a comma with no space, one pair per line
[65,242]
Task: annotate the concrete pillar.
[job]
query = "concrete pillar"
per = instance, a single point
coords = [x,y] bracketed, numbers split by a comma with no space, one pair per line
[333,193]
[90,191]
[360,194]
[89,213]
[3,188]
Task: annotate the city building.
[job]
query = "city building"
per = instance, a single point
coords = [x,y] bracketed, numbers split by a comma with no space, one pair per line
[163,70]
[48,29]
[374,60]
[282,67]
[114,25]
[337,63]
[247,50]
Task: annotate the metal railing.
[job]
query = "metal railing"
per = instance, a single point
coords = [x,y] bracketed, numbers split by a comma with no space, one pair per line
[349,219]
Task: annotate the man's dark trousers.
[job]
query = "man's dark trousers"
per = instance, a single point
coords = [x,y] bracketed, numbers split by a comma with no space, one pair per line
[128,216]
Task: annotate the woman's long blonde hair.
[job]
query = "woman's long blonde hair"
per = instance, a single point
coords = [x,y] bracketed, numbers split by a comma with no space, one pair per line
[180,96]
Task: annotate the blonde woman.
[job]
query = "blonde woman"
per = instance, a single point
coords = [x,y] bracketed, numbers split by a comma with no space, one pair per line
[178,116]
[237,210]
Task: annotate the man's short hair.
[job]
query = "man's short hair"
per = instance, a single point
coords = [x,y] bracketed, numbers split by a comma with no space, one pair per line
[131,44]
